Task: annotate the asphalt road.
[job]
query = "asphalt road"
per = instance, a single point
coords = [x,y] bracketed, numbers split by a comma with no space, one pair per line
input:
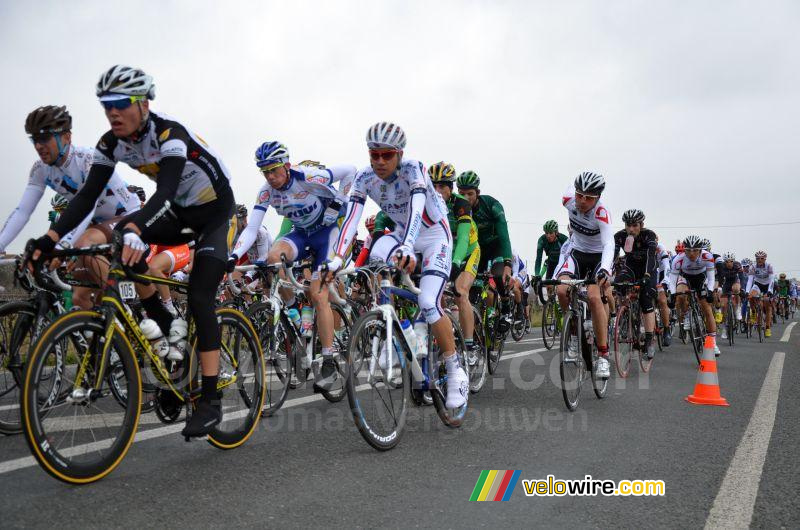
[309,466]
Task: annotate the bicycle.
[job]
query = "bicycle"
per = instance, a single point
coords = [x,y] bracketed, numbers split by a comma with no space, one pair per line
[696,331]
[495,325]
[629,329]
[80,454]
[756,317]
[578,352]
[730,320]
[552,318]
[476,365]
[375,333]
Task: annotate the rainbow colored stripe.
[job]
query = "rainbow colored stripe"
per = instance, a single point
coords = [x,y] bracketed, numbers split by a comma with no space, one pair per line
[495,485]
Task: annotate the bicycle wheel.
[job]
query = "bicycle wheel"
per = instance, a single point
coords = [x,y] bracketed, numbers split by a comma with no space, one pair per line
[623,341]
[82,436]
[16,327]
[659,331]
[518,322]
[241,385]
[377,398]
[341,336]
[278,356]
[477,367]
[549,330]
[495,340]
[571,362]
[450,417]
[731,323]
[599,384]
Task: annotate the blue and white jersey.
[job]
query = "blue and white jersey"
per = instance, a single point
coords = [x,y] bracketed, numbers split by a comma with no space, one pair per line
[67,180]
[304,198]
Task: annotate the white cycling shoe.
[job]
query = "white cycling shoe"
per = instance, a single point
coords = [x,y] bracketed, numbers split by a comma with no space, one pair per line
[457,389]
[177,345]
[602,370]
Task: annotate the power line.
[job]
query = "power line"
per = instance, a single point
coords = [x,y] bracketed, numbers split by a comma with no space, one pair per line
[690,227]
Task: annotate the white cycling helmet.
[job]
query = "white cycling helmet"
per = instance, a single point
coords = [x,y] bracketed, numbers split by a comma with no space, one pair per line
[693,242]
[386,135]
[729,256]
[121,80]
[590,183]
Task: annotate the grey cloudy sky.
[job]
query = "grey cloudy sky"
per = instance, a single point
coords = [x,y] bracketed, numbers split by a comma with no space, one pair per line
[689,109]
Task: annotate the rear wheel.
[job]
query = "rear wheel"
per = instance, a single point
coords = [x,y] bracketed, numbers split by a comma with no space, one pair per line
[623,341]
[341,336]
[16,338]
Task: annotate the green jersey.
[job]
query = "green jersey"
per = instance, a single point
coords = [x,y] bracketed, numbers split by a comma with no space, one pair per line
[553,250]
[490,218]
[462,226]
[782,287]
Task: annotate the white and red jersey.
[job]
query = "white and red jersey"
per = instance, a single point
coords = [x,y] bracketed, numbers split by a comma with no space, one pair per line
[591,232]
[763,275]
[682,266]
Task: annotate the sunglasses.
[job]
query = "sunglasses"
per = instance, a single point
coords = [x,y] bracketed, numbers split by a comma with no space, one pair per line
[382,155]
[121,104]
[266,170]
[42,138]
[584,197]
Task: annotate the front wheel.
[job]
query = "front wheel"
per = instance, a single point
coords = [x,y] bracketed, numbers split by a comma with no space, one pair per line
[81,436]
[571,361]
[476,359]
[623,341]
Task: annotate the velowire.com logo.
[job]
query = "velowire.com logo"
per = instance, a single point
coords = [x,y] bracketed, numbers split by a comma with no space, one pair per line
[495,485]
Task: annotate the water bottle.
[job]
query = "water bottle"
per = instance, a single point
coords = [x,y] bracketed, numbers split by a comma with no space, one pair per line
[421,331]
[307,319]
[408,332]
[628,244]
[294,316]
[588,329]
[153,333]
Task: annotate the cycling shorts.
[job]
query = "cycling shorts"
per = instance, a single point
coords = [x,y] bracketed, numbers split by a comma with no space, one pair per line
[321,243]
[762,288]
[579,265]
[473,261]
[178,255]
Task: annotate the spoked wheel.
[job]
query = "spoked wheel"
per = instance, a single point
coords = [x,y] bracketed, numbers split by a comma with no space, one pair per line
[731,317]
[571,362]
[659,331]
[476,360]
[377,397]
[241,383]
[278,356]
[16,338]
[81,436]
[623,341]
[518,323]
[439,380]
[549,324]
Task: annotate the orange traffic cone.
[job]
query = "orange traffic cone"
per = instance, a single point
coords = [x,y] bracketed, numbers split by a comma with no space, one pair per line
[706,389]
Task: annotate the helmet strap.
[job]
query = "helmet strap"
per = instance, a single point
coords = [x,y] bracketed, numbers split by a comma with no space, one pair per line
[63,149]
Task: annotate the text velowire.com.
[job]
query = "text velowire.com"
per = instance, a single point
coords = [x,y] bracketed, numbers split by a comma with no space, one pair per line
[588,486]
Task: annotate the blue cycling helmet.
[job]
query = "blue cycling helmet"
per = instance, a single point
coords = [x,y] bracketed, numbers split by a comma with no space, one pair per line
[271,153]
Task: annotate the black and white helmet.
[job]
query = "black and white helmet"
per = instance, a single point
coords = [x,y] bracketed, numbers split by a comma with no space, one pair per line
[693,242]
[121,79]
[386,135]
[590,183]
[729,256]
[631,217]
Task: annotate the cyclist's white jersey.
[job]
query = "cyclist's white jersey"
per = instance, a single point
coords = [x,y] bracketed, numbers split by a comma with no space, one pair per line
[663,261]
[762,275]
[67,180]
[407,197]
[259,249]
[518,269]
[591,231]
[346,184]
[682,266]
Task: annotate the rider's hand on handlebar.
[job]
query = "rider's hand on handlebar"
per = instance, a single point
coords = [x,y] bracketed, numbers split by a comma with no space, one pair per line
[405,259]
[134,246]
[230,266]
[36,247]
[602,278]
[331,267]
[506,274]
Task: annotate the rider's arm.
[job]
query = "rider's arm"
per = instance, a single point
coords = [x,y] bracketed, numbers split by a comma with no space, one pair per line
[22,213]
[539,251]
[672,279]
[501,229]
[84,202]
[250,232]
[364,254]
[355,207]
[750,279]
[607,237]
[771,282]
[338,173]
[69,240]
[461,210]
[651,266]
[710,275]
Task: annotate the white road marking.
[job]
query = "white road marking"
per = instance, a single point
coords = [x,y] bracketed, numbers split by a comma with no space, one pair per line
[787,332]
[29,461]
[733,506]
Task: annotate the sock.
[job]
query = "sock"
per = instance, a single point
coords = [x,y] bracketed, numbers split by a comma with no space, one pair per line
[602,351]
[452,363]
[468,343]
[327,352]
[208,392]
[168,304]
[156,310]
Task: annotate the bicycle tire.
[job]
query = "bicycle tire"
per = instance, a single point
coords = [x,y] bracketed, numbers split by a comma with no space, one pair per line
[453,418]
[60,464]
[696,333]
[13,334]
[230,435]
[549,331]
[623,345]
[337,394]
[478,371]
[278,359]
[731,328]
[367,328]
[570,384]
[517,325]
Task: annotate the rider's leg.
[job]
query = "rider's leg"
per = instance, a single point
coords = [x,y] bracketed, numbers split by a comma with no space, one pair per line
[708,313]
[286,248]
[599,318]
[96,268]
[465,316]
[324,315]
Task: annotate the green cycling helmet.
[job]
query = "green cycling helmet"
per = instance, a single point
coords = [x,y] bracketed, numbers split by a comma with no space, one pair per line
[59,203]
[468,180]
[550,226]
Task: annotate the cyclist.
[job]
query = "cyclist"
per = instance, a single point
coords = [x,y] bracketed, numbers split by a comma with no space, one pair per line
[695,266]
[253,244]
[746,264]
[192,191]
[782,286]
[661,300]
[520,282]
[404,192]
[490,218]
[590,254]
[466,251]
[729,276]
[64,167]
[760,283]
[304,195]
[550,244]
[641,258]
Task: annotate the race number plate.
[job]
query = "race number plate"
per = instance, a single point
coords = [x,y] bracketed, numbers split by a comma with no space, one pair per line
[127,291]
